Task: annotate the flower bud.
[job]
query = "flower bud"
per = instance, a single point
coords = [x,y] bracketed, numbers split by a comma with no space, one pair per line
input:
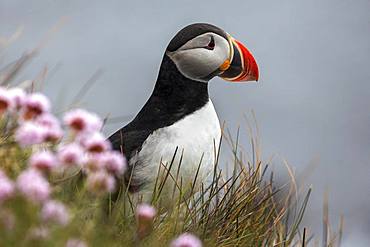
[145,215]
[186,240]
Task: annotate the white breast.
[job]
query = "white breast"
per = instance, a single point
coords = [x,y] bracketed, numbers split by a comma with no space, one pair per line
[195,135]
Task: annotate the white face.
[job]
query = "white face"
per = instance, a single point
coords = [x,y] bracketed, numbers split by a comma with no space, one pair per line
[201,56]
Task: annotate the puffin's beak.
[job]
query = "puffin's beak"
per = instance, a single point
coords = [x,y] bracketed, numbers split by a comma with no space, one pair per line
[243,66]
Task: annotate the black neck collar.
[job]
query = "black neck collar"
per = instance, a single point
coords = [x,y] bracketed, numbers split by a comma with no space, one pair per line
[174,87]
[174,97]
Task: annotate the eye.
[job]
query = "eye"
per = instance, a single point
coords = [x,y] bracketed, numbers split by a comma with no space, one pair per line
[211,44]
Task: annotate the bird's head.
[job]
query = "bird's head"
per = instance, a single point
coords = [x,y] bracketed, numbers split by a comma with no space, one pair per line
[201,51]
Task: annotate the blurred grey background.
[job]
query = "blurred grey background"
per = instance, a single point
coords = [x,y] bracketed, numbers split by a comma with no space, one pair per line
[312,102]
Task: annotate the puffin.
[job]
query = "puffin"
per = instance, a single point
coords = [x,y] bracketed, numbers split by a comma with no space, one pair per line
[178,125]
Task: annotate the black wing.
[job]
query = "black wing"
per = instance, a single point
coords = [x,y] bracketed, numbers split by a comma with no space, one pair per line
[129,141]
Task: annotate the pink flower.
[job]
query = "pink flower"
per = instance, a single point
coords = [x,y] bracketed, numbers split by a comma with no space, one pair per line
[56,212]
[35,105]
[82,121]
[47,120]
[53,135]
[18,97]
[95,143]
[75,243]
[6,187]
[29,133]
[43,161]
[100,182]
[5,100]
[52,129]
[114,162]
[186,240]
[71,154]
[33,185]
[145,212]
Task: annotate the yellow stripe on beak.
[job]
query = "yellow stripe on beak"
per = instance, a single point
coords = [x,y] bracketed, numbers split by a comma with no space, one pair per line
[227,62]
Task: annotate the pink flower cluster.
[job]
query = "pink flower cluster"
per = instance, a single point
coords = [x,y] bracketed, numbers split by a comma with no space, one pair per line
[28,106]
[91,150]
[82,121]
[88,148]
[43,161]
[33,186]
[84,147]
[36,124]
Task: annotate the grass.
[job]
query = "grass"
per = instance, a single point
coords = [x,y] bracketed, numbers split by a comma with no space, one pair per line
[243,209]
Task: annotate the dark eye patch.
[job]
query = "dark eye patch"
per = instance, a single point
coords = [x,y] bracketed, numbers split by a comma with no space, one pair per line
[211,44]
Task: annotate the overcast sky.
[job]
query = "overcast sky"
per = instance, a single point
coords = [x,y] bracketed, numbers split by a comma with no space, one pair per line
[312,102]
